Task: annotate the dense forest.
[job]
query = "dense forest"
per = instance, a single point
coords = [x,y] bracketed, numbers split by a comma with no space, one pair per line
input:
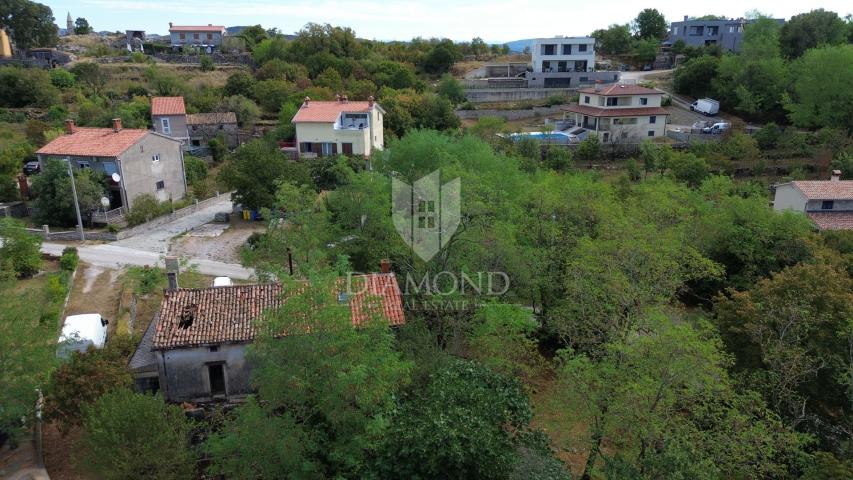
[660,320]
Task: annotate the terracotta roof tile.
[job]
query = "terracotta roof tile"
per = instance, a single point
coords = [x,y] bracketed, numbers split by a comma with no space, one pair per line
[168,106]
[826,189]
[214,118]
[832,220]
[328,112]
[620,89]
[615,112]
[94,142]
[196,28]
[227,314]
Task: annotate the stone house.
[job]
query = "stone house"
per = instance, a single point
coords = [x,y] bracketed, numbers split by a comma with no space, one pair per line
[202,127]
[327,128]
[207,37]
[619,113]
[195,348]
[134,161]
[169,117]
[829,203]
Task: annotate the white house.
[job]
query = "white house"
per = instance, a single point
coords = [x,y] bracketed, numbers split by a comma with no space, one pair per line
[829,203]
[565,62]
[620,113]
[325,128]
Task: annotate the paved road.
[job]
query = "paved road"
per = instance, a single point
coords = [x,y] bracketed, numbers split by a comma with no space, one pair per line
[157,239]
[113,257]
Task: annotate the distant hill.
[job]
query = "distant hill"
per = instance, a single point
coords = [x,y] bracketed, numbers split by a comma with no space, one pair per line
[519,45]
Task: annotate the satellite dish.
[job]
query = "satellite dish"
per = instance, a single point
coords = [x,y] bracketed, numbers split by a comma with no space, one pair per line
[116,177]
[105,202]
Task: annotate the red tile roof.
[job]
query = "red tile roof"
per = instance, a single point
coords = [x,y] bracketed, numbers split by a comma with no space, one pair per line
[619,89]
[196,28]
[826,189]
[168,106]
[832,220]
[227,314]
[615,112]
[328,112]
[94,142]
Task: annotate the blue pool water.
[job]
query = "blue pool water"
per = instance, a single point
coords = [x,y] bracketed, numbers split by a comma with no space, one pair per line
[555,137]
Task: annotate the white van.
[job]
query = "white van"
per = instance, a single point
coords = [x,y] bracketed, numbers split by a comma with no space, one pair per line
[706,106]
[79,332]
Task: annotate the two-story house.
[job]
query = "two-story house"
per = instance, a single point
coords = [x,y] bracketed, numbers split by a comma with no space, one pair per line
[133,161]
[829,203]
[169,117]
[726,33]
[565,62]
[195,348]
[619,113]
[325,128]
[207,37]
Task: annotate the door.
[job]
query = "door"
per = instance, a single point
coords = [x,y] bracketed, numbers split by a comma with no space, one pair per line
[347,148]
[216,374]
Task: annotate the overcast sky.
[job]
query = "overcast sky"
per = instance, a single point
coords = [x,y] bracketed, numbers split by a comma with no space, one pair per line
[492,20]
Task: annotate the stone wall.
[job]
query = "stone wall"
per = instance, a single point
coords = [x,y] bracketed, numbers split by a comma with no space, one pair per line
[510,115]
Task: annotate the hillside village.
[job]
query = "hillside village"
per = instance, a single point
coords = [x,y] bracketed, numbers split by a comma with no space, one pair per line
[624,253]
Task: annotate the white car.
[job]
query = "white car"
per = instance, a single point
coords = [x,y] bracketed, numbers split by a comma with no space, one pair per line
[79,332]
[222,282]
[717,128]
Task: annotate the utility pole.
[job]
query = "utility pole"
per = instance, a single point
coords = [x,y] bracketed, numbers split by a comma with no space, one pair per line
[76,203]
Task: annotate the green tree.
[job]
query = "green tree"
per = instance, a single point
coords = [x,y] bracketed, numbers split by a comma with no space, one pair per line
[254,171]
[501,338]
[647,49]
[688,168]
[694,77]
[26,87]
[483,415]
[91,75]
[822,93]
[441,57]
[125,434]
[450,88]
[54,198]
[650,24]
[195,169]
[816,28]
[20,251]
[29,24]
[239,83]
[615,40]
[206,63]
[62,78]
[82,27]
[253,35]
[589,149]
[269,49]
[246,110]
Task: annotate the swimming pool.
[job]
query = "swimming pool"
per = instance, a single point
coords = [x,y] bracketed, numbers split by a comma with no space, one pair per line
[551,137]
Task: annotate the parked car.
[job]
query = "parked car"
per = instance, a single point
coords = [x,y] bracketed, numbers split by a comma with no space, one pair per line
[717,128]
[706,106]
[31,168]
[79,332]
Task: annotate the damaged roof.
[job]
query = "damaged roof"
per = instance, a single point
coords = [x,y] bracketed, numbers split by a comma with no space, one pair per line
[192,317]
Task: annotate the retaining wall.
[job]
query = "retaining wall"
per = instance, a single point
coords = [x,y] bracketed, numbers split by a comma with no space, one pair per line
[510,114]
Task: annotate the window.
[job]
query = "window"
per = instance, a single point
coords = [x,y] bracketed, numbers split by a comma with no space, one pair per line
[326,148]
[653,119]
[586,99]
[166,126]
[160,185]
[216,376]
[651,133]
[546,67]
[644,101]
[625,121]
[827,205]
[567,49]
[612,101]
[346,148]
[196,143]
[732,29]
[210,36]
[195,36]
[675,30]
[213,348]
[82,164]
[110,168]
[155,158]
[582,47]
[550,49]
[584,79]
[305,147]
[182,36]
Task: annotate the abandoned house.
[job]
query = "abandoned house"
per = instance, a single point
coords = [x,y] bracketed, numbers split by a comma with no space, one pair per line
[195,348]
[204,127]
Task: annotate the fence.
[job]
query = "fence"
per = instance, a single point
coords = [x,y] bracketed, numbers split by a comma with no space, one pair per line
[108,217]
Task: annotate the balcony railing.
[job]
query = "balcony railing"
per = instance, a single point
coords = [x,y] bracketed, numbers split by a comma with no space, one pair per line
[110,216]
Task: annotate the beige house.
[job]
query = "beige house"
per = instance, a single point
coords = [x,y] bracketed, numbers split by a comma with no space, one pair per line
[620,113]
[144,161]
[339,127]
[829,203]
[169,117]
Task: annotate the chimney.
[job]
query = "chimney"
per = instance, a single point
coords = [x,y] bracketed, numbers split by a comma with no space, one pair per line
[598,85]
[836,176]
[69,126]
[172,271]
[170,24]
[116,125]
[209,24]
[305,102]
[370,102]
[385,265]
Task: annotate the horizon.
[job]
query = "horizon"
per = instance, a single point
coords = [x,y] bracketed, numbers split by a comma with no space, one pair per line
[494,22]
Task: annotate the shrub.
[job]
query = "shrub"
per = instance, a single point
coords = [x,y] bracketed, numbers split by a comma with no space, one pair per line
[26,87]
[19,249]
[146,207]
[144,280]
[206,63]
[195,169]
[138,57]
[69,259]
[556,100]
[768,136]
[62,78]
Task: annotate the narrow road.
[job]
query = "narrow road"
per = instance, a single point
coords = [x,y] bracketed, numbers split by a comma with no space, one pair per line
[114,257]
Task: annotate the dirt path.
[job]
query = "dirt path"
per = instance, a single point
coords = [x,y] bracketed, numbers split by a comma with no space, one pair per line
[95,290]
